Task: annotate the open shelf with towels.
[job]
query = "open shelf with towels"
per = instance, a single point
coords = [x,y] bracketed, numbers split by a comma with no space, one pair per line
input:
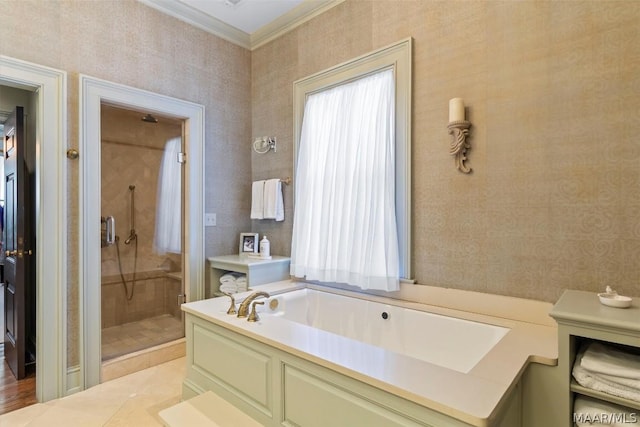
[258,271]
[582,319]
[585,391]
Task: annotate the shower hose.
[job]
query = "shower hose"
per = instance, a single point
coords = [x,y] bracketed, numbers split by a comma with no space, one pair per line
[135,262]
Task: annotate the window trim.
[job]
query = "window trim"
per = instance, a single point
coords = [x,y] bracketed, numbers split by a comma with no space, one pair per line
[396,56]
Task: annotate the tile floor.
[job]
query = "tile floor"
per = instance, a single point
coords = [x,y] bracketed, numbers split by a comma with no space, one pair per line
[132,400]
[136,336]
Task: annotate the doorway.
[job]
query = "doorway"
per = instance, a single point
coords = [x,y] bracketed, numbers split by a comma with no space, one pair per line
[17,347]
[49,87]
[94,94]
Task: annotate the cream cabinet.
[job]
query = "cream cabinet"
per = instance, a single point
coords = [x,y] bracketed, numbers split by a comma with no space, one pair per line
[580,318]
[278,388]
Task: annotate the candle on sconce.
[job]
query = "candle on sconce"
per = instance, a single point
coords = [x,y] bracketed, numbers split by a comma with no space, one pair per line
[456,110]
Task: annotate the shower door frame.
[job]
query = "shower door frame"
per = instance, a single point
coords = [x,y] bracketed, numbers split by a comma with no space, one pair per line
[93,93]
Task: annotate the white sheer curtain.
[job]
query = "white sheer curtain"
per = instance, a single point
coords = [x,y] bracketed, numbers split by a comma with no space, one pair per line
[344,227]
[168,235]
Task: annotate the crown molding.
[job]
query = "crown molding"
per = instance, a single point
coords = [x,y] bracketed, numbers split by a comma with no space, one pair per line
[285,23]
[201,20]
[297,16]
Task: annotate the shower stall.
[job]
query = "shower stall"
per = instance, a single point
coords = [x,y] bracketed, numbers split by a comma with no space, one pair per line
[141,256]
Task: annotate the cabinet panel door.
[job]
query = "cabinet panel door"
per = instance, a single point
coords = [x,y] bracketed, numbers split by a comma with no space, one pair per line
[313,402]
[238,368]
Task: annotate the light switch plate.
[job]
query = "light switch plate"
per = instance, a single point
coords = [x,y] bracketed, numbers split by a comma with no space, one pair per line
[209,220]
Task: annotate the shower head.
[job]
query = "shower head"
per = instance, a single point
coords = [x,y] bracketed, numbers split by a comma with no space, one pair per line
[149,118]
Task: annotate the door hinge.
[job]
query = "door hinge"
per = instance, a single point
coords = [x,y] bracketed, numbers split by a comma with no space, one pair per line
[182,157]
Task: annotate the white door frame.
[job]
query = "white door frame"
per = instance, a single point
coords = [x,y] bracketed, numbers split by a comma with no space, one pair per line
[50,86]
[93,92]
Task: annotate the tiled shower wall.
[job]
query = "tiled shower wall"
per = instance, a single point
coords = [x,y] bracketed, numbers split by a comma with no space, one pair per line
[131,154]
[154,294]
[553,95]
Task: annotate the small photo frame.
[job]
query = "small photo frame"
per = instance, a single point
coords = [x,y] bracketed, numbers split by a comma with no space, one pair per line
[248,243]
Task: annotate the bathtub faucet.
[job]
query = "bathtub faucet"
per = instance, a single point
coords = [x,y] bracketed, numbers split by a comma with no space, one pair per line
[243,310]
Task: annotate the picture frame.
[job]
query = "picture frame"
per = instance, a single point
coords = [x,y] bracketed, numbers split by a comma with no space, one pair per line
[249,243]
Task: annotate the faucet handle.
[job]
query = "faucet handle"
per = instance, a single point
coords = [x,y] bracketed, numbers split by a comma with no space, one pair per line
[232,308]
[253,317]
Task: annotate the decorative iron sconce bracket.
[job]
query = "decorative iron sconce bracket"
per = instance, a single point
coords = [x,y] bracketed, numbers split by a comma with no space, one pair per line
[459,145]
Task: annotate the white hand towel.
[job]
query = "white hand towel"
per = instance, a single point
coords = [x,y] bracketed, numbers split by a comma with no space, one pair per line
[257,200]
[273,203]
[602,359]
[279,203]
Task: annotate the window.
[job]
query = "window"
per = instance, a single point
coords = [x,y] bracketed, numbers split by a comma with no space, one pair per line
[352,139]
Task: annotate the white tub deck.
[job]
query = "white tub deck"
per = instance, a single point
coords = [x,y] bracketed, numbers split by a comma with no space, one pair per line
[470,394]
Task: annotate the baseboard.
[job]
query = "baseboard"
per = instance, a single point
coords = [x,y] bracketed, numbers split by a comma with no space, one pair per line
[73,383]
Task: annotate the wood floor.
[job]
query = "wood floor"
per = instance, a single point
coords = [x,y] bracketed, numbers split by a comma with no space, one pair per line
[15,394]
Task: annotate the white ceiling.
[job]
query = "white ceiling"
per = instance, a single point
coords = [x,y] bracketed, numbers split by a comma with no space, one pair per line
[245,15]
[248,23]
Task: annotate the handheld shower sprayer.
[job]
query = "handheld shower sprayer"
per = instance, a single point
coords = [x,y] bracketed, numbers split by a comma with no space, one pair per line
[132,237]
[132,232]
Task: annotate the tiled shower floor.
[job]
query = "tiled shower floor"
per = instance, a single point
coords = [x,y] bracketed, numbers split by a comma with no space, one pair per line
[135,336]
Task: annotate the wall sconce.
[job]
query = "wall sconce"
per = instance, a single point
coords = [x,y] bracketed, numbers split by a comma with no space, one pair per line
[459,129]
[263,144]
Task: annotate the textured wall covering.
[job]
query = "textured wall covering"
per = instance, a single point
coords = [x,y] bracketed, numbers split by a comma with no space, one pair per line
[125,42]
[553,92]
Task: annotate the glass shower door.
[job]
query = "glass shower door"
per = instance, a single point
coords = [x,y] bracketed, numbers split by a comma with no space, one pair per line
[142,190]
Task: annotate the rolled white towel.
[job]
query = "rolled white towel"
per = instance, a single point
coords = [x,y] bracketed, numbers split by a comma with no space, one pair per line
[228,288]
[598,382]
[602,359]
[591,412]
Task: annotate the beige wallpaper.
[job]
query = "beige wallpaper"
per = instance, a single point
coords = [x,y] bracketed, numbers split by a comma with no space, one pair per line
[552,90]
[126,42]
[553,93]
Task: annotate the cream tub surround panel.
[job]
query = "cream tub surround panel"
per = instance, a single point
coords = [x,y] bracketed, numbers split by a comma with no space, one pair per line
[477,398]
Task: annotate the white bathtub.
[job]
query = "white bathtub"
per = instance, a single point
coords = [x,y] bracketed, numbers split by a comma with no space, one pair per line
[444,341]
[334,348]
